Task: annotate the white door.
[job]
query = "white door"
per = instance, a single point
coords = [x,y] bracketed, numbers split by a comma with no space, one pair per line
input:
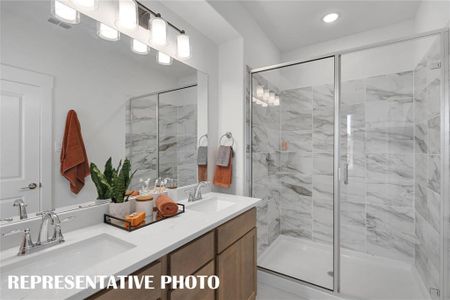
[20,123]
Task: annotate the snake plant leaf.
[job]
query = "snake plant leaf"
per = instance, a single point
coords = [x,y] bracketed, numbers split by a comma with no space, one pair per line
[108,170]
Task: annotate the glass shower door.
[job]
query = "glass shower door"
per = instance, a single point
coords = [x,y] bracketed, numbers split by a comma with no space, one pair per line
[390,196]
[292,124]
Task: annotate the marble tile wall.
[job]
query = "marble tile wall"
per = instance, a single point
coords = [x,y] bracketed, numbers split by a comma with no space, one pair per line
[427,197]
[141,138]
[378,204]
[177,141]
[265,167]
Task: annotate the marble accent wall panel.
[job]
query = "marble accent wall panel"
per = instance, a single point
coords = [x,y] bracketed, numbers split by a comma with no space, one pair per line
[427,173]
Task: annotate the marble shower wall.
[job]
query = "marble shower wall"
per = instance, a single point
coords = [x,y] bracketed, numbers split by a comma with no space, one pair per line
[427,157]
[265,167]
[377,204]
[177,140]
[141,138]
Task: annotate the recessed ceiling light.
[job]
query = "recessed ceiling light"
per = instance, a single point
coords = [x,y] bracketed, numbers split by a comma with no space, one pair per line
[330,18]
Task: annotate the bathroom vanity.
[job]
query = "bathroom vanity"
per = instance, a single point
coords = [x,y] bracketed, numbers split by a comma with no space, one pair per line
[216,236]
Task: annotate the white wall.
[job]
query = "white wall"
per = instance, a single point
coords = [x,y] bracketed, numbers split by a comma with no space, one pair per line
[432,15]
[89,78]
[253,49]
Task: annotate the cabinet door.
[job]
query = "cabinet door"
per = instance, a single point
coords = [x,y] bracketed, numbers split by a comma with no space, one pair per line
[228,270]
[197,293]
[155,269]
[248,265]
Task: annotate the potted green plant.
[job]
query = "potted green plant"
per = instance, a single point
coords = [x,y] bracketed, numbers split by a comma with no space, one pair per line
[112,184]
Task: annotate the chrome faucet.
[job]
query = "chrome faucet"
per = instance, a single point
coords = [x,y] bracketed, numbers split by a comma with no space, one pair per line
[53,235]
[197,195]
[22,208]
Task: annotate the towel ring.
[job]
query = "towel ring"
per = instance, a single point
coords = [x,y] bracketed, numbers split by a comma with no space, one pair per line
[227,135]
[203,137]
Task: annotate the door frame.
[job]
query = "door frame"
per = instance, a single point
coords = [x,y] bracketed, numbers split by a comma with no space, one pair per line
[45,83]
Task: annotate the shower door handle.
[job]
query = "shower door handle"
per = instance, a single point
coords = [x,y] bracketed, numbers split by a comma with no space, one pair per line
[346,173]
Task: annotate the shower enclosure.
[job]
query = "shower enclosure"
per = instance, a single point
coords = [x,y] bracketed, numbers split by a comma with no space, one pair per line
[350,154]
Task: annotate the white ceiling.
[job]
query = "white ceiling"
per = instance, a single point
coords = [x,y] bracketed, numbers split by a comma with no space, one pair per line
[294,24]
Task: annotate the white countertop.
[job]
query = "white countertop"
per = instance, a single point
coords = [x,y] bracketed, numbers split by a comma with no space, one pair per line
[151,243]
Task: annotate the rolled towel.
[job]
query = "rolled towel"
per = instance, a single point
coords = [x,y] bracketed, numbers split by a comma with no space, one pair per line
[166,206]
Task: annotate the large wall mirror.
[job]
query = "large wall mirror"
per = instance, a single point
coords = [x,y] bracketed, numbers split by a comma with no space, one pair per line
[128,105]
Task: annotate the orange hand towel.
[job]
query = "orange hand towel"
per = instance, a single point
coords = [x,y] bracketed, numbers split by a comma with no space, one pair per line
[74,161]
[202,173]
[223,175]
[166,206]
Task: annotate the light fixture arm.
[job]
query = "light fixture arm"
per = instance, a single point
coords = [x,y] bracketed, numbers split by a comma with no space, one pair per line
[158,15]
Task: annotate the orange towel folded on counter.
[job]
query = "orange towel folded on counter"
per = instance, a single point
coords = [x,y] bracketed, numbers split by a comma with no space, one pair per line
[74,161]
[166,206]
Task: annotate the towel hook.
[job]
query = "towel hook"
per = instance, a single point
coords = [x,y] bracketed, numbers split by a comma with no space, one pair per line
[205,136]
[227,135]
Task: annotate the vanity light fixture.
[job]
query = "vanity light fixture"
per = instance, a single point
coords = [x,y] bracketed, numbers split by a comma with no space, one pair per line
[127,15]
[183,46]
[139,47]
[107,33]
[65,13]
[158,29]
[330,18]
[164,59]
[88,4]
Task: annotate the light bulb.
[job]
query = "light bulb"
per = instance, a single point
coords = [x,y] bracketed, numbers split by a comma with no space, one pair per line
[159,31]
[183,46]
[266,94]
[127,14]
[139,47]
[88,4]
[330,18]
[271,99]
[164,59]
[259,91]
[277,101]
[65,13]
[107,33]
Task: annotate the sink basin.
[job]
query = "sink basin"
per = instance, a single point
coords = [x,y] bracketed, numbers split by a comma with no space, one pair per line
[74,259]
[210,205]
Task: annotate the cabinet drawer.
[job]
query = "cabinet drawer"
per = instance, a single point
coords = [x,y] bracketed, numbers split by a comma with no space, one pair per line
[155,269]
[197,293]
[191,257]
[234,229]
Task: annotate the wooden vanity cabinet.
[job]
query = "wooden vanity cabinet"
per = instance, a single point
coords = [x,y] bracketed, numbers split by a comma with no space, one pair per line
[156,269]
[228,251]
[236,258]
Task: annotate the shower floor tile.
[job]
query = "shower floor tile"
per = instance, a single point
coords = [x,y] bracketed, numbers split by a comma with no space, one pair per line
[362,276]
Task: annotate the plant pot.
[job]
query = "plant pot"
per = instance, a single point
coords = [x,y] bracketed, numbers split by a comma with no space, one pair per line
[119,210]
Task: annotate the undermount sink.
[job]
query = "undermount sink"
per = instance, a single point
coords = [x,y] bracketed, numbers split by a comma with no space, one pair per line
[210,205]
[72,259]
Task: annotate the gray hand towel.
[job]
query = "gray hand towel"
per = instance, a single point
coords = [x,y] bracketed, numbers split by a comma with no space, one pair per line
[224,156]
[202,156]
